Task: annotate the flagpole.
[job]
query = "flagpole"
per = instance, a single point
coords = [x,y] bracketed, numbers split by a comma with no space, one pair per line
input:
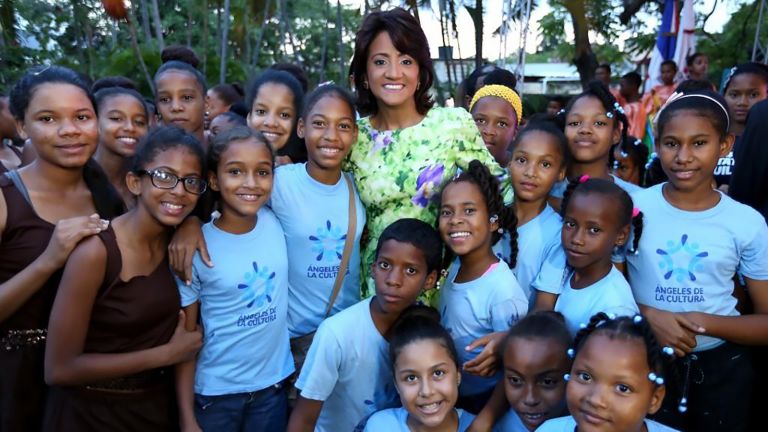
[757,32]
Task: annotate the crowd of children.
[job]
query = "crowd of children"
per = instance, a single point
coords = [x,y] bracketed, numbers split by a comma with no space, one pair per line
[225,259]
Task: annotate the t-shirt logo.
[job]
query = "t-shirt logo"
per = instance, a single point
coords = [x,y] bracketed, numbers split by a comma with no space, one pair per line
[328,244]
[681,259]
[258,287]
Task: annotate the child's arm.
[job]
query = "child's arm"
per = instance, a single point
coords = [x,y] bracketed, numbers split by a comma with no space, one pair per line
[493,410]
[185,379]
[186,240]
[485,362]
[545,301]
[741,329]
[304,415]
[672,329]
[65,362]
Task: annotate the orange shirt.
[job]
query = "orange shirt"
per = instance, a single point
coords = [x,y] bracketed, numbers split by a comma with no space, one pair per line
[654,99]
[635,112]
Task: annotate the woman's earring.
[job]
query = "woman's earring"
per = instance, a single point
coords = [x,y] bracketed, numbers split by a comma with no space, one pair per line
[365,85]
[418,86]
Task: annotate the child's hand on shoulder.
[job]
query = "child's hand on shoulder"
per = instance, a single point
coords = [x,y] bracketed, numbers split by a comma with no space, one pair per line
[485,362]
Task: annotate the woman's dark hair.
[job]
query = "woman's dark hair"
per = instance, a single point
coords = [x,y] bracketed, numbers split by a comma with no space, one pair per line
[539,325]
[418,234]
[691,85]
[547,125]
[711,106]
[234,118]
[294,148]
[628,328]
[181,58]
[610,189]
[749,183]
[692,58]
[636,150]
[165,138]
[229,93]
[474,76]
[238,133]
[753,68]
[417,323]
[600,91]
[295,71]
[107,201]
[500,76]
[332,90]
[668,63]
[240,109]
[634,79]
[107,87]
[113,81]
[408,38]
[479,175]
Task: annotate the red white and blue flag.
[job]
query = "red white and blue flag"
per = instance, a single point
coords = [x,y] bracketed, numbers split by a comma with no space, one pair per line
[665,44]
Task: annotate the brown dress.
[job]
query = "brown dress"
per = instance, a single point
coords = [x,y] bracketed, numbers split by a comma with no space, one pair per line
[22,389]
[127,316]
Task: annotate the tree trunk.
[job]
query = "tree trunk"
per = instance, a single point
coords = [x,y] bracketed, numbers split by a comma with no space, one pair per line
[145,21]
[205,37]
[189,24]
[476,13]
[158,25]
[260,37]
[224,40]
[343,75]
[289,29]
[584,59]
[218,26]
[8,22]
[139,56]
[324,49]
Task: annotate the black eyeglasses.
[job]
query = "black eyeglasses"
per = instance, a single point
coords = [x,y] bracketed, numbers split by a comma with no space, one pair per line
[165,180]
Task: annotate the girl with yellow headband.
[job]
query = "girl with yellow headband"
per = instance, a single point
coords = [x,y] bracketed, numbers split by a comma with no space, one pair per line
[497,111]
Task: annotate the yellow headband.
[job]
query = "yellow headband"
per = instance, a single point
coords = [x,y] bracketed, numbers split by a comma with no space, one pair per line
[503,92]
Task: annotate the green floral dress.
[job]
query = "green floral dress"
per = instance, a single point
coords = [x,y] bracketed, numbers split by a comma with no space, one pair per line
[397,172]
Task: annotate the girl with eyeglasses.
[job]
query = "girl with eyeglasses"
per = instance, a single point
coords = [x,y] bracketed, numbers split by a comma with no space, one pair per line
[116,325]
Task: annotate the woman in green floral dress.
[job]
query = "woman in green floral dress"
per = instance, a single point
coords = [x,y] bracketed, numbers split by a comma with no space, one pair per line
[406,148]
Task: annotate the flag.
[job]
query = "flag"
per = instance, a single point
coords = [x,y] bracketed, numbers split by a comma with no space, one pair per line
[686,39]
[665,44]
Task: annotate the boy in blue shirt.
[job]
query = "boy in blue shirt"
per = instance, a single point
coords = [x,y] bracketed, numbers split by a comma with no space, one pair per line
[347,375]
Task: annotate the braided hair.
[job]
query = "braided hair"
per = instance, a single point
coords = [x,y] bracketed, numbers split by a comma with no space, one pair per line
[634,149]
[586,185]
[614,111]
[629,328]
[478,174]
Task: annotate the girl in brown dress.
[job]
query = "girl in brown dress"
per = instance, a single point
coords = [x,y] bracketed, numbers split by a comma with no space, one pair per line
[46,208]
[116,325]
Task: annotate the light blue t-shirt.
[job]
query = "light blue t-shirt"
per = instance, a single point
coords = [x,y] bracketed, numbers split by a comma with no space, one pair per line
[568,424]
[348,368]
[315,217]
[510,423]
[395,420]
[470,310]
[610,294]
[559,188]
[243,309]
[537,240]
[687,259]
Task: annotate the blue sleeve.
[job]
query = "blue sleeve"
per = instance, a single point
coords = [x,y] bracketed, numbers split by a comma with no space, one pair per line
[552,273]
[753,262]
[320,372]
[190,294]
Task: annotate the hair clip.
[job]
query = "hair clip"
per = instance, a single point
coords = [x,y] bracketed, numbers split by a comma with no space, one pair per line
[562,111]
[635,212]
[683,407]
[584,178]
[494,218]
[444,273]
[637,319]
[656,379]
[624,154]
[583,325]
[638,142]
[500,230]
[567,377]
[668,350]
[571,353]
[616,164]
[609,115]
[616,105]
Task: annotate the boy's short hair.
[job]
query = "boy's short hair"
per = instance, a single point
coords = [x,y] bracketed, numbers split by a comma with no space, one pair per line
[417,233]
